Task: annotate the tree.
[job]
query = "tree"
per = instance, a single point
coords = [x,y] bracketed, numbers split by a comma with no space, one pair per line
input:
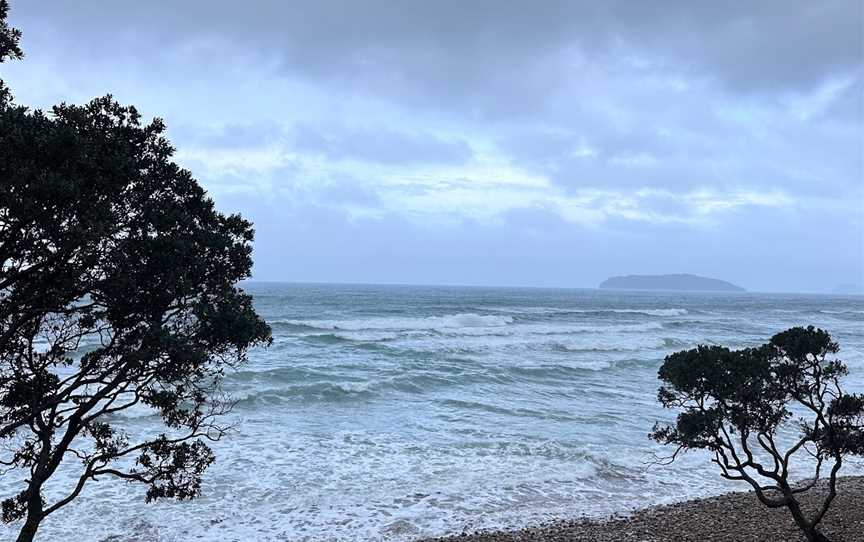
[739,404]
[9,47]
[118,287]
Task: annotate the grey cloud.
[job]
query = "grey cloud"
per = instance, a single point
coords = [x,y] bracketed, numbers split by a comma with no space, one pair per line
[848,105]
[477,54]
[289,183]
[323,242]
[348,191]
[225,136]
[380,144]
[335,192]
[676,96]
[692,139]
[374,144]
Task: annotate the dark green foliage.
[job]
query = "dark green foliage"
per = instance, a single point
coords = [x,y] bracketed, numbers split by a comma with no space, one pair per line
[736,403]
[9,37]
[176,469]
[9,48]
[117,289]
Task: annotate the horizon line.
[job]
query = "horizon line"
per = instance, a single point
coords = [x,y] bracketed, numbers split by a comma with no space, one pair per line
[535,287]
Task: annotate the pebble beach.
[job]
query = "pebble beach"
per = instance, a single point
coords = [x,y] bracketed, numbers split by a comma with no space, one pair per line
[736,516]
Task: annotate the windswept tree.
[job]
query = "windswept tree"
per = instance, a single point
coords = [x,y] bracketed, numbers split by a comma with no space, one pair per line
[9,48]
[117,290]
[756,408]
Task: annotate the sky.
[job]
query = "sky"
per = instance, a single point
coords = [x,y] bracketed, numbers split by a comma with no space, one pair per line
[495,142]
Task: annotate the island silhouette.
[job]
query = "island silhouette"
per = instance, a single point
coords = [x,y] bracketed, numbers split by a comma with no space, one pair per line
[679,282]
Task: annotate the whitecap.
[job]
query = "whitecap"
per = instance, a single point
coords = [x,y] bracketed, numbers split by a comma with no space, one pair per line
[445,322]
[598,310]
[653,312]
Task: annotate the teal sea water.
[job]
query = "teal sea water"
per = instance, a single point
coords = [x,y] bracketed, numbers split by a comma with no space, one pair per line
[391,412]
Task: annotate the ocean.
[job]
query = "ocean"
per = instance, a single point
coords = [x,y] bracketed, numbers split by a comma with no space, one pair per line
[393,412]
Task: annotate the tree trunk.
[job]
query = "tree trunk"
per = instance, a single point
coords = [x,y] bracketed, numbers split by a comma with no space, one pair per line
[34,512]
[815,536]
[28,531]
[810,531]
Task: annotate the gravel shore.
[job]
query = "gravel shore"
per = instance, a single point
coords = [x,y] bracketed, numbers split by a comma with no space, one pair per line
[731,517]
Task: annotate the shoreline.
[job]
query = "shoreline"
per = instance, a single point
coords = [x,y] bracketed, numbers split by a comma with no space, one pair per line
[736,516]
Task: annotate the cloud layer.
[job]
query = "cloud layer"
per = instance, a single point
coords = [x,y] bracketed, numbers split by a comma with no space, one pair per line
[489,142]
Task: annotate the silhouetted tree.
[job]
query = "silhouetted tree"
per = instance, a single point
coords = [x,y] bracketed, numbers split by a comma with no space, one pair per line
[117,288]
[736,404]
[9,48]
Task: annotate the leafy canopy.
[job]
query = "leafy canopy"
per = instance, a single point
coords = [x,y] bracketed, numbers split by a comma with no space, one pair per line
[9,48]
[738,403]
[118,287]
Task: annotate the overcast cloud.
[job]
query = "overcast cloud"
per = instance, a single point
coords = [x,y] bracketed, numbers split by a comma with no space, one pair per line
[495,142]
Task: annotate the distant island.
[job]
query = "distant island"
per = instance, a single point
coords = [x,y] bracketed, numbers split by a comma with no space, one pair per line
[681,282]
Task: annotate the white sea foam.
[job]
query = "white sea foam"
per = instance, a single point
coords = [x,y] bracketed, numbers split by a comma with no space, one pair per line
[652,312]
[568,328]
[599,310]
[609,345]
[445,322]
[398,414]
[460,325]
[365,336]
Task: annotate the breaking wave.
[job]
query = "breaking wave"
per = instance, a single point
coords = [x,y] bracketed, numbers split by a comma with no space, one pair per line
[400,413]
[551,311]
[449,321]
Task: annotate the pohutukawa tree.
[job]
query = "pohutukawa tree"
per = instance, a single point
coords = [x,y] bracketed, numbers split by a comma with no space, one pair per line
[117,290]
[9,48]
[757,409]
